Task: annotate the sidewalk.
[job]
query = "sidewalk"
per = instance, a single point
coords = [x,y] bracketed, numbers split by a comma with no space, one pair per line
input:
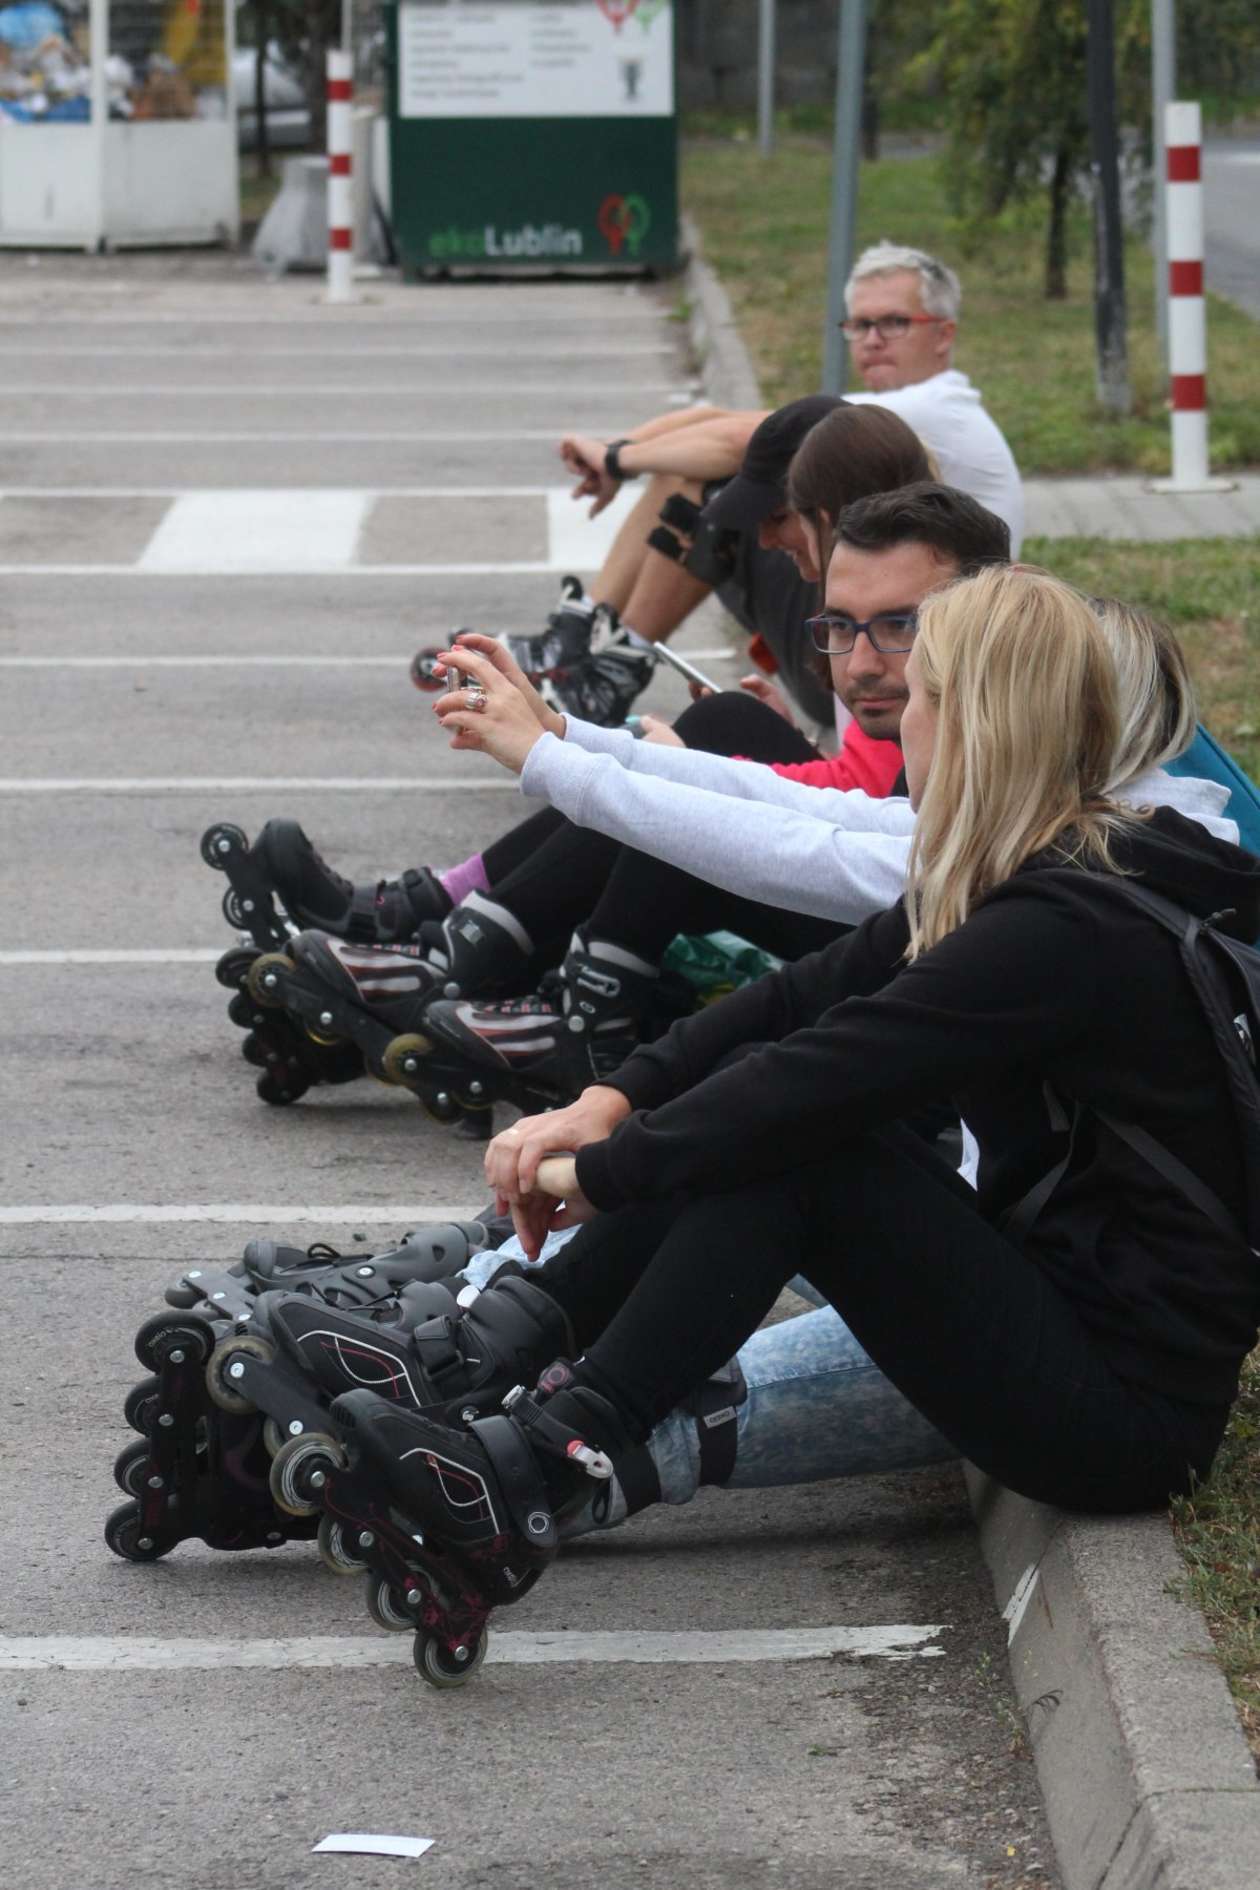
[1145,1773]
[1124,506]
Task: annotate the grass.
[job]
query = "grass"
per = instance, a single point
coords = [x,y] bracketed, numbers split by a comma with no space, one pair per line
[1208,589]
[1218,1529]
[764,223]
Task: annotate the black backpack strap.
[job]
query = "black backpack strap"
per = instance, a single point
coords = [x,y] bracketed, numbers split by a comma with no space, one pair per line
[1165,1163]
[1017,1221]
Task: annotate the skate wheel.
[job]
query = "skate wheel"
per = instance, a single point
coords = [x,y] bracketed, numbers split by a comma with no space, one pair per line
[142,1404]
[422,667]
[442,1666]
[387,1607]
[219,842]
[231,968]
[129,1466]
[265,967]
[234,911]
[272,1436]
[219,1384]
[242,1011]
[322,1038]
[128,1537]
[298,1471]
[167,1333]
[280,1090]
[442,1108]
[334,1549]
[402,1058]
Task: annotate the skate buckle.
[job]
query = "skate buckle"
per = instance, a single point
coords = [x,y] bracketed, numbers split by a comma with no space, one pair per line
[594,1462]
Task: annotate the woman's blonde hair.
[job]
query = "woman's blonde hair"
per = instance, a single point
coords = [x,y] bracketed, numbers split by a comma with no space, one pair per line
[1158,715]
[1021,671]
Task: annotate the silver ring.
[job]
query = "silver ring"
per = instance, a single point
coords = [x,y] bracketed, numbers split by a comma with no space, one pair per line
[475,697]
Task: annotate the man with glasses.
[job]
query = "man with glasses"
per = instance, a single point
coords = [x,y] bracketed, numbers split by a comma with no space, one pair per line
[902,316]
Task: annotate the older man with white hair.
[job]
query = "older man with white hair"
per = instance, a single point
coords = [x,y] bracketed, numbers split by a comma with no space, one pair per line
[902,308]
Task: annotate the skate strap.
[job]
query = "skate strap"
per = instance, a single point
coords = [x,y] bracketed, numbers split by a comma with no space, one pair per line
[361,927]
[520,1482]
[551,1435]
[716,1407]
[435,1346]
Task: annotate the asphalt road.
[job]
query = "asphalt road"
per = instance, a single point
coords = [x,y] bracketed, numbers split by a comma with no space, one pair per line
[172,652]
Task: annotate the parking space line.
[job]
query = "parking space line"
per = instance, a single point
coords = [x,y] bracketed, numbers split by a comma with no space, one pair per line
[275,390]
[91,1653]
[207,956]
[727,654]
[151,1214]
[256,784]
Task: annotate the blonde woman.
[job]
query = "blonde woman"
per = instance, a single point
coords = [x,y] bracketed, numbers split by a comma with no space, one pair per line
[1086,1354]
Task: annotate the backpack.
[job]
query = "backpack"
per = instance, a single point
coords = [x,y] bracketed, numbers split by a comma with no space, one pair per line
[1224,976]
[1206,758]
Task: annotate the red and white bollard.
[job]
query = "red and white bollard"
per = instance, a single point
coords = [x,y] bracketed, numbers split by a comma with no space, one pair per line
[1187,311]
[340,202]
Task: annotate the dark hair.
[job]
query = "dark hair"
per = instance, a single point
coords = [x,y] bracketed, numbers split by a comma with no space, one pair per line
[948,521]
[854,451]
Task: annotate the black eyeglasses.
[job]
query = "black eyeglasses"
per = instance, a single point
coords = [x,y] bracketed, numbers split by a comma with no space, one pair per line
[891,633]
[887,327]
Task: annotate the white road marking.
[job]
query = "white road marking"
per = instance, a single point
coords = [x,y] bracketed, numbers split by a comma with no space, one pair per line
[1022,1593]
[532,568]
[255,784]
[431,352]
[72,957]
[326,390]
[257,531]
[578,543]
[403,436]
[27,1653]
[725,655]
[181,492]
[124,1214]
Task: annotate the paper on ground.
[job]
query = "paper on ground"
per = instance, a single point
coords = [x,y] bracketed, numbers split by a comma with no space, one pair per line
[369,1844]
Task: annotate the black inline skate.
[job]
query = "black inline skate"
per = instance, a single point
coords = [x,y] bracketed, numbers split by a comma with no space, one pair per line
[582,663]
[193,1472]
[581,1024]
[343,1280]
[374,1001]
[289,1058]
[283,864]
[453,1523]
[228,1434]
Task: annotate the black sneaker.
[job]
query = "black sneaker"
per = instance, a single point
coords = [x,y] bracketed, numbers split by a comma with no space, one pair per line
[389,912]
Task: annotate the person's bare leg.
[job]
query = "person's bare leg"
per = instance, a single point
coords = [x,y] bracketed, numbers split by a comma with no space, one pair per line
[620,570]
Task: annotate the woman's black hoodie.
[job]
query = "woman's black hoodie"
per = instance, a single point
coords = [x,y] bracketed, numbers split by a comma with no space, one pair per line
[1052,979]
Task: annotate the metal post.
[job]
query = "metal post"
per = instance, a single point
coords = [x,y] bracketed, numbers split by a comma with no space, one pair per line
[340,195]
[1109,313]
[846,160]
[765,77]
[98,39]
[1187,310]
[1163,91]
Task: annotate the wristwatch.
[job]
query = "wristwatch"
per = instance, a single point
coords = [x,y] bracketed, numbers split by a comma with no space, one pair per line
[612,462]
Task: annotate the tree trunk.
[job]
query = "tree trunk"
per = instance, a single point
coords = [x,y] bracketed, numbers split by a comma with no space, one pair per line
[1056,228]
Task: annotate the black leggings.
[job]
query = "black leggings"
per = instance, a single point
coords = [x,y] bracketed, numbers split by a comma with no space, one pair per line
[962,1322]
[554,876]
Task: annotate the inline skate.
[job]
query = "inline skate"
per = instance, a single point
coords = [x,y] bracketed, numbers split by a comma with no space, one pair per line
[452,1523]
[229,1429]
[283,864]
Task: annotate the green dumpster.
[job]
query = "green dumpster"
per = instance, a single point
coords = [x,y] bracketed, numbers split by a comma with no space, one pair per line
[527,136]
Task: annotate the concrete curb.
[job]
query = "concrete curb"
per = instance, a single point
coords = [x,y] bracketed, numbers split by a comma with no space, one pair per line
[1147,1778]
[725,365]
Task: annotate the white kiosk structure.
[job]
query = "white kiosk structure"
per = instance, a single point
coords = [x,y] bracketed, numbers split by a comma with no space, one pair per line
[117,123]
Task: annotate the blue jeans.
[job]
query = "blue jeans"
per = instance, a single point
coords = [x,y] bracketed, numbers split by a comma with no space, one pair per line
[816,1408]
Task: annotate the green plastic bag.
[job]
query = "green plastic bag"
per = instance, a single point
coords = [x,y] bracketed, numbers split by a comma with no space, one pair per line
[717,963]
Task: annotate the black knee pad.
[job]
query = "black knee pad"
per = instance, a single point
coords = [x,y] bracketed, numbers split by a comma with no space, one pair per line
[715,1407]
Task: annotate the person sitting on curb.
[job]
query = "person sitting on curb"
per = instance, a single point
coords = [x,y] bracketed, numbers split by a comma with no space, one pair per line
[1075,1328]
[902,309]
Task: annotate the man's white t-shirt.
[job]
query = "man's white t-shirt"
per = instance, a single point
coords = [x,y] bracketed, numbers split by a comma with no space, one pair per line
[948,415]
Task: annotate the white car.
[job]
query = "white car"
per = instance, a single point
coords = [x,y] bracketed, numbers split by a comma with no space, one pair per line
[288,115]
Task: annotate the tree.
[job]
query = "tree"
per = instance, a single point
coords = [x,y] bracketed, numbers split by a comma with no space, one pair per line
[1011,77]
